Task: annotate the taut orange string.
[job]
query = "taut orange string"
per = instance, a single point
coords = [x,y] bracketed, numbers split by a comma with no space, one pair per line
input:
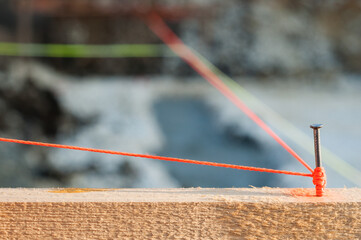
[213,164]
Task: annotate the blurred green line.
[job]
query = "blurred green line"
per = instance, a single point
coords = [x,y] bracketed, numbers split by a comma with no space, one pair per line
[287,128]
[84,50]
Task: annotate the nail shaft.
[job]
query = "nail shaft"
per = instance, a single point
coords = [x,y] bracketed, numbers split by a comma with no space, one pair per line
[316,135]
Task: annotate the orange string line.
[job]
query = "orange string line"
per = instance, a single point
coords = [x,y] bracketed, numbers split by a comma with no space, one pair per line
[160,28]
[214,164]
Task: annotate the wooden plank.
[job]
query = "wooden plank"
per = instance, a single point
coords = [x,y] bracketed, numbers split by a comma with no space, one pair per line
[195,213]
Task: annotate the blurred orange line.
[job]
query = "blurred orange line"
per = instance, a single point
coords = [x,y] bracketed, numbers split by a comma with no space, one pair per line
[160,28]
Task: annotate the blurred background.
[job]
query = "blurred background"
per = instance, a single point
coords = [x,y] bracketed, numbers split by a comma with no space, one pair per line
[91,73]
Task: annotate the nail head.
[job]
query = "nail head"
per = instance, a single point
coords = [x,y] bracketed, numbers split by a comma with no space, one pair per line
[316,126]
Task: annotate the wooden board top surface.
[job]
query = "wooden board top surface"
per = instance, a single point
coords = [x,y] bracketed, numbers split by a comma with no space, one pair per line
[269,195]
[180,213]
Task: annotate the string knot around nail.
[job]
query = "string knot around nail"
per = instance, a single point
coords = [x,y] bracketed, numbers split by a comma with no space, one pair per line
[319,180]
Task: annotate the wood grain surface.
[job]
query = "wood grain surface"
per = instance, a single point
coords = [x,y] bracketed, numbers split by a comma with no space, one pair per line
[192,213]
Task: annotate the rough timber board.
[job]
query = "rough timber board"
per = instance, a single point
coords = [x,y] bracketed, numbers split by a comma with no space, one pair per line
[195,213]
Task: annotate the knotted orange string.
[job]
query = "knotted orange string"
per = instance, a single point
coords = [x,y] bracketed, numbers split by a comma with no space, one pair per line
[318,175]
[319,180]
